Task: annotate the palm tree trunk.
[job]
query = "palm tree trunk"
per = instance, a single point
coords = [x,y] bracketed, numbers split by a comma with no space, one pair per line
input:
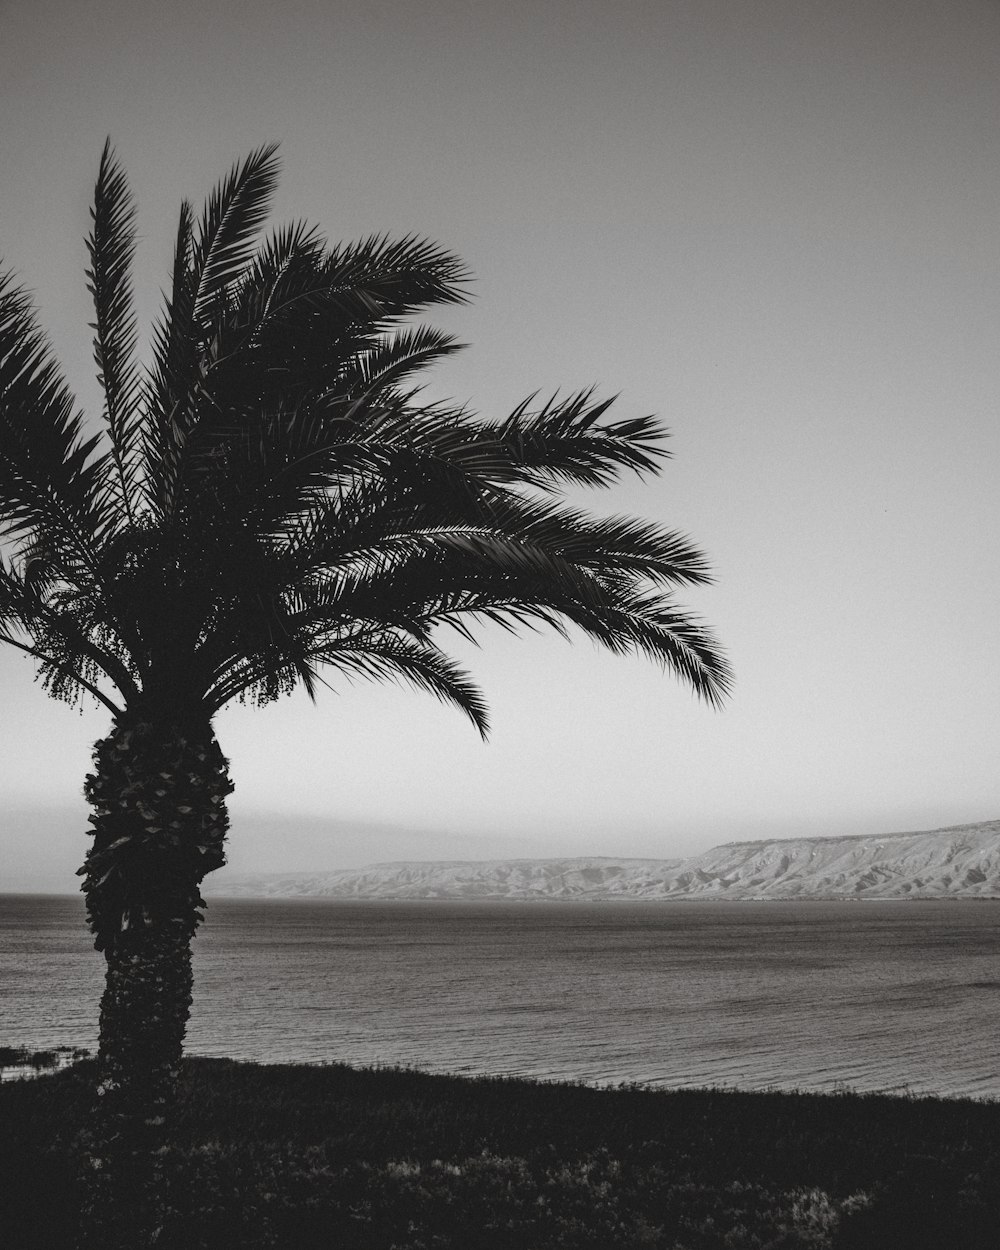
[158,794]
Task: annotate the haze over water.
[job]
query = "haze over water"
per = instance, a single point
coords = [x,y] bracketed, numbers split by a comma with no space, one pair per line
[893,996]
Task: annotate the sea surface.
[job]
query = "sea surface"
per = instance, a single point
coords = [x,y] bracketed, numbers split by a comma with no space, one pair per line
[813,996]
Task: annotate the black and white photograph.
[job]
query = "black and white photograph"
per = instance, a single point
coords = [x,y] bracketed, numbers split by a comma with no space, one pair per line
[500,625]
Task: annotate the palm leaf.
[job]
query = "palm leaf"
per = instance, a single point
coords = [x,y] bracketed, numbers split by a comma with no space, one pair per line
[387,363]
[273,276]
[622,544]
[656,627]
[208,257]
[393,278]
[231,218]
[70,661]
[50,486]
[316,316]
[111,246]
[566,441]
[299,319]
[455,576]
[392,656]
[173,374]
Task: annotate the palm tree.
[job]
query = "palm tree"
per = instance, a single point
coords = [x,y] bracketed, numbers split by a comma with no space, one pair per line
[268,501]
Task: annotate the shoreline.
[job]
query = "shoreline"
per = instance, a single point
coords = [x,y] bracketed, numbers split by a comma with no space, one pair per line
[61,1059]
[611,899]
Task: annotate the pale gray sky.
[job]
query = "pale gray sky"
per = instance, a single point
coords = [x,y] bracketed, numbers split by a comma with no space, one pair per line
[773,224]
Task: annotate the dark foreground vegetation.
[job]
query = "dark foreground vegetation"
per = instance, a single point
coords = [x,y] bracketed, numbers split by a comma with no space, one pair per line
[300,1157]
[22,1057]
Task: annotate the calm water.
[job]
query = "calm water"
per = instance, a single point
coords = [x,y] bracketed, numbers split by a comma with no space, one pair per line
[810,996]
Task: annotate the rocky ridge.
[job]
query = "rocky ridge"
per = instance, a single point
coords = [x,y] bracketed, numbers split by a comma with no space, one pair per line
[962,861]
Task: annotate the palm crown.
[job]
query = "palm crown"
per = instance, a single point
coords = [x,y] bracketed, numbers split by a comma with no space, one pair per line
[271,498]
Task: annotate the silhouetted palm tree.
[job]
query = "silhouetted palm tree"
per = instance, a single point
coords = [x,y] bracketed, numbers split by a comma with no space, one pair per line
[270,499]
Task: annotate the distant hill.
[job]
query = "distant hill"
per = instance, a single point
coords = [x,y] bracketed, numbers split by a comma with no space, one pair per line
[958,862]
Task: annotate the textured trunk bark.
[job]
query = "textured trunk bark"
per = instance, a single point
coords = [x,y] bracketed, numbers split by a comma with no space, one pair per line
[158,794]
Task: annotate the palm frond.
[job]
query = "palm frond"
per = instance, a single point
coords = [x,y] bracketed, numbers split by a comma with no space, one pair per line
[394,278]
[306,314]
[565,441]
[58,676]
[650,624]
[231,219]
[602,544]
[388,362]
[654,626]
[50,481]
[392,656]
[299,318]
[111,246]
[70,661]
[209,256]
[288,346]
[273,276]
[172,374]
[449,577]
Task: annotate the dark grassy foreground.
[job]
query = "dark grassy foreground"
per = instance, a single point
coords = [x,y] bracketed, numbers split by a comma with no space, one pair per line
[297,1157]
[22,1057]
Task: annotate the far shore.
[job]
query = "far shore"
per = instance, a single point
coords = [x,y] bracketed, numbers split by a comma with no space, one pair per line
[548,898]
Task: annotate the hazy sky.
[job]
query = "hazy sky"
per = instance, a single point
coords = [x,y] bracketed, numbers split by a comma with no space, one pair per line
[774,224]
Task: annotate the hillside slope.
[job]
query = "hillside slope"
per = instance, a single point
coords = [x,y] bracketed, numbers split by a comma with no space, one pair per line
[958,862]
